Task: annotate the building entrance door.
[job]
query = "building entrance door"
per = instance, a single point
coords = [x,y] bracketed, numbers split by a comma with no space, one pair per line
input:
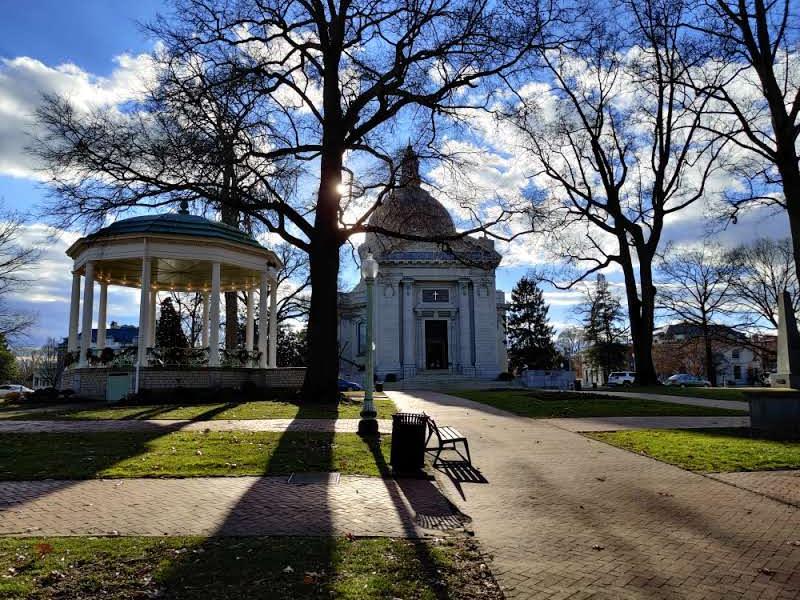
[436,344]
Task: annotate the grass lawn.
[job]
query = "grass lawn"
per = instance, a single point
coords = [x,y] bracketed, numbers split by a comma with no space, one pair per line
[543,405]
[234,568]
[708,450]
[266,409]
[187,454]
[737,394]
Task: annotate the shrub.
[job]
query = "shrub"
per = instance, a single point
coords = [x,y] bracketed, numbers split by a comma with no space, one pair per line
[391,377]
[505,376]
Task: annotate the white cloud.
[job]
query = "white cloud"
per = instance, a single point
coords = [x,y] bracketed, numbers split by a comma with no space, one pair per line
[23,82]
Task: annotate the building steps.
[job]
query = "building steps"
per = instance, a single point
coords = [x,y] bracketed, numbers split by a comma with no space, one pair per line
[427,380]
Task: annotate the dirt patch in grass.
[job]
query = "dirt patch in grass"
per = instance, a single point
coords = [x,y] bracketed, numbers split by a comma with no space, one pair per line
[234,568]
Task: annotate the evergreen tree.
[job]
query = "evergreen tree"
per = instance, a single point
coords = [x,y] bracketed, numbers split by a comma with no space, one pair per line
[8,362]
[603,329]
[169,332]
[291,347]
[530,337]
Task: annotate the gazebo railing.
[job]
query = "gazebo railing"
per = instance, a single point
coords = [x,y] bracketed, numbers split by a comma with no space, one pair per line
[240,357]
[164,357]
[177,357]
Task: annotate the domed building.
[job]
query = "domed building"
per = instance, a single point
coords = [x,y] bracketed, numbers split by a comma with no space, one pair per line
[437,310]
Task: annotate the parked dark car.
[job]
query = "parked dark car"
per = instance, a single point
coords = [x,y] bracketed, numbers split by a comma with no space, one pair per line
[349,386]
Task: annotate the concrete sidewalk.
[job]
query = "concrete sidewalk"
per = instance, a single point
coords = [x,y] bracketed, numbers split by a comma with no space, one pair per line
[170,425]
[625,423]
[692,401]
[566,516]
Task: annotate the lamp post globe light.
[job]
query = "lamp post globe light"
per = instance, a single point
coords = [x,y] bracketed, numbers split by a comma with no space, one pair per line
[368,425]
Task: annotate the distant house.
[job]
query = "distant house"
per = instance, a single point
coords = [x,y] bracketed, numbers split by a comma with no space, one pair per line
[117,336]
[739,359]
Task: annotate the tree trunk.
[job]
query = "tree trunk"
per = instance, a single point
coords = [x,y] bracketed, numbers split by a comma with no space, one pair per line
[231,320]
[791,191]
[711,372]
[322,374]
[640,315]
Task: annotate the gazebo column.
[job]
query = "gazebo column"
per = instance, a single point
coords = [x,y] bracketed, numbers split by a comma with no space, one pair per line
[74,311]
[213,337]
[151,322]
[273,323]
[262,321]
[88,307]
[102,315]
[144,312]
[204,332]
[249,324]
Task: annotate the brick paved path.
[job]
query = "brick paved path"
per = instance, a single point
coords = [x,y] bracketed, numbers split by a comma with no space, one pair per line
[709,402]
[566,516]
[781,485]
[336,425]
[623,423]
[363,506]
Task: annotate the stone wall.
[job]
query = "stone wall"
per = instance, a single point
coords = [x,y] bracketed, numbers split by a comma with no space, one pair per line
[91,382]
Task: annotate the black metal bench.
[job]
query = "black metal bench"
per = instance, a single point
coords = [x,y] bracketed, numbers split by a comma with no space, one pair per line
[448,437]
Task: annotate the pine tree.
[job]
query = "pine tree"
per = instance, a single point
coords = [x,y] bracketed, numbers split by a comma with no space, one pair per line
[603,330]
[8,362]
[169,332]
[530,337]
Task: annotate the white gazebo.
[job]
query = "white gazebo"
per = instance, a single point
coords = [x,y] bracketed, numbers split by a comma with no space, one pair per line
[164,253]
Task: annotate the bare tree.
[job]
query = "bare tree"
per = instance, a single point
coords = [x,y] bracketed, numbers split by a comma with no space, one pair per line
[765,268]
[754,83]
[321,83]
[48,362]
[696,289]
[16,261]
[623,151]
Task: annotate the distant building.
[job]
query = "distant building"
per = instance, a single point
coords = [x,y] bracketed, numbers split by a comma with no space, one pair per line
[117,336]
[739,359]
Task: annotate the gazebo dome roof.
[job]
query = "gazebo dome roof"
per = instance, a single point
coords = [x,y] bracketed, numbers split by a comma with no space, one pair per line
[175,224]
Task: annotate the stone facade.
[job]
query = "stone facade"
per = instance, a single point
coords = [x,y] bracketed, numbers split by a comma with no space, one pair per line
[436,304]
[92,383]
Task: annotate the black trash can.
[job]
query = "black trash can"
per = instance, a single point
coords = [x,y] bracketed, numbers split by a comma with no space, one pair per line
[409,431]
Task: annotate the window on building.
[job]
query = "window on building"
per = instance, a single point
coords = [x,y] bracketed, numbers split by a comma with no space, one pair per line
[737,372]
[735,353]
[362,338]
[436,295]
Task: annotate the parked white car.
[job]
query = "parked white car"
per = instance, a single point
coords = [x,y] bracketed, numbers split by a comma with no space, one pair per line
[13,388]
[686,380]
[621,378]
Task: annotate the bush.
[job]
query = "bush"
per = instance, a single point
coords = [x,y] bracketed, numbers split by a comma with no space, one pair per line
[391,377]
[505,376]
[13,397]
[49,394]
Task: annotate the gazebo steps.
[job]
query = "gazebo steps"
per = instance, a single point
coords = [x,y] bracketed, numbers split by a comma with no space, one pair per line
[443,381]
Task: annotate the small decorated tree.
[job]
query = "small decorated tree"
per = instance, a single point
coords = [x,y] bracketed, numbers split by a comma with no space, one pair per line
[169,332]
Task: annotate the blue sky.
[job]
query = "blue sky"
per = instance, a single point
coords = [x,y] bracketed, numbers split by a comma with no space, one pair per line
[90,48]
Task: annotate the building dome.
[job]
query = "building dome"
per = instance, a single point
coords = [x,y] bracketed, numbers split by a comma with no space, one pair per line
[409,209]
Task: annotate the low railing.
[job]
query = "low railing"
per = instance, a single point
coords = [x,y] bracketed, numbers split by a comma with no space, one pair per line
[164,357]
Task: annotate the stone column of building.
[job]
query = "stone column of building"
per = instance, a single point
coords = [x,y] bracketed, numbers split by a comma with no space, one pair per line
[465,328]
[102,315]
[273,323]
[88,308]
[74,312]
[409,364]
[144,312]
[262,321]
[213,337]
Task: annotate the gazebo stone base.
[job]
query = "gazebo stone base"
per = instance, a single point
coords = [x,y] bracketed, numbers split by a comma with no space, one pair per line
[92,383]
